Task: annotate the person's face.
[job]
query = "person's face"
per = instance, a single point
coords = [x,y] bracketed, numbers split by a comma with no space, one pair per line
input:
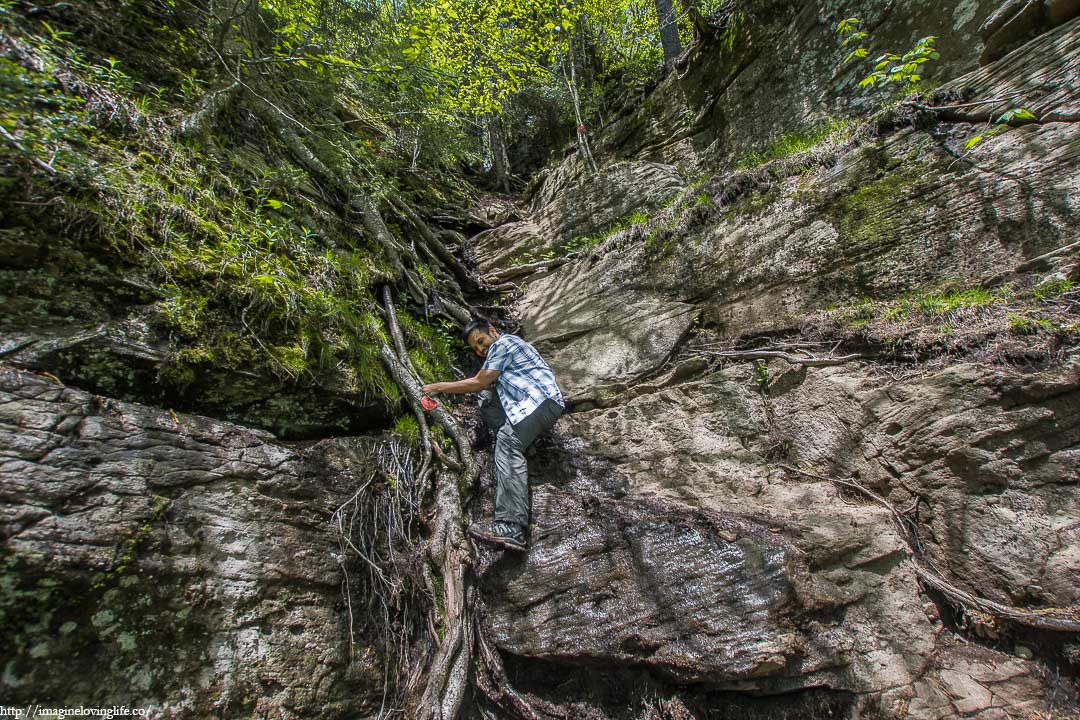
[480,341]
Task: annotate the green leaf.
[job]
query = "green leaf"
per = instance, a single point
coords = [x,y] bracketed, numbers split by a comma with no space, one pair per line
[847,25]
[856,53]
[973,142]
[275,204]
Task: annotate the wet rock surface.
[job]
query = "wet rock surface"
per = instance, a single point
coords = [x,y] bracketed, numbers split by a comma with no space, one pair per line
[636,582]
[171,561]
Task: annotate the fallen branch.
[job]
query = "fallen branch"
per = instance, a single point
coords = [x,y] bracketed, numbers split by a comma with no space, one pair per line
[14,142]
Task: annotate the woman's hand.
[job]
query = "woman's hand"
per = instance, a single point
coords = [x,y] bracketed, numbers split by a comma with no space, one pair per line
[432,388]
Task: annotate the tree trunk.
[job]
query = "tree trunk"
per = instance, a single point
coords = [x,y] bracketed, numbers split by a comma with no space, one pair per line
[669,30]
[500,161]
[570,76]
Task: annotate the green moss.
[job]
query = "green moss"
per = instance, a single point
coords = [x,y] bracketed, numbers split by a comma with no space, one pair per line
[867,215]
[1028,325]
[585,242]
[754,202]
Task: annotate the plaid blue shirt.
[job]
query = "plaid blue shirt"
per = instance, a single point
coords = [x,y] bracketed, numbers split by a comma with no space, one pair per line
[525,380]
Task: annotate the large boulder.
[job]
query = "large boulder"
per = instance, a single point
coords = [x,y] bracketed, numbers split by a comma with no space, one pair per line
[154,559]
[668,537]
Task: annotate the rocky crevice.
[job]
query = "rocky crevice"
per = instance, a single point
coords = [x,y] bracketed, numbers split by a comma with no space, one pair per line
[692,553]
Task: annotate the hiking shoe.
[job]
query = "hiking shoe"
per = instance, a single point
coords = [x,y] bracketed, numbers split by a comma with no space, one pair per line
[510,535]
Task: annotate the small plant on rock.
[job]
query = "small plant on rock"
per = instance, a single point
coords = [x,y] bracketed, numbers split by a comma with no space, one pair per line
[1000,125]
[889,68]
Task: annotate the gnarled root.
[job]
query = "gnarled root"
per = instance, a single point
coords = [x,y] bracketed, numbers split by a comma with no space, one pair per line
[448,677]
[448,550]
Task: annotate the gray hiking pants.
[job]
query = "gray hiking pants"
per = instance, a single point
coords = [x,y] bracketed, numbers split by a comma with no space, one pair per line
[511,442]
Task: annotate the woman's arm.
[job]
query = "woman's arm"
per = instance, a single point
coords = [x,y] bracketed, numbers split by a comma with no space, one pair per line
[469,385]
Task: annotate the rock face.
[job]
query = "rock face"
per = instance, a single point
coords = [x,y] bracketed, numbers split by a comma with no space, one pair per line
[900,213]
[775,67]
[571,205]
[172,562]
[713,536]
[681,551]
[668,537]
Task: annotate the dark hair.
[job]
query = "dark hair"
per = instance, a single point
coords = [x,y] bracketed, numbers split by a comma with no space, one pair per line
[478,324]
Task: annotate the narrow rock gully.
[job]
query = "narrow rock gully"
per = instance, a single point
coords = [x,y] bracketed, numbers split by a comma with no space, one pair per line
[821,455]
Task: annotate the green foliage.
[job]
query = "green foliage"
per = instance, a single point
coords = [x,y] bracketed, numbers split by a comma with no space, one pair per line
[34,108]
[889,68]
[943,303]
[587,242]
[1053,288]
[432,346]
[249,280]
[487,52]
[408,429]
[792,143]
[1027,325]
[905,73]
[761,376]
[928,305]
[1009,117]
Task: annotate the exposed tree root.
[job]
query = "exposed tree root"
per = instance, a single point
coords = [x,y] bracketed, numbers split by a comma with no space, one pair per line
[209,108]
[807,360]
[433,244]
[1028,618]
[14,142]
[963,600]
[439,690]
[414,402]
